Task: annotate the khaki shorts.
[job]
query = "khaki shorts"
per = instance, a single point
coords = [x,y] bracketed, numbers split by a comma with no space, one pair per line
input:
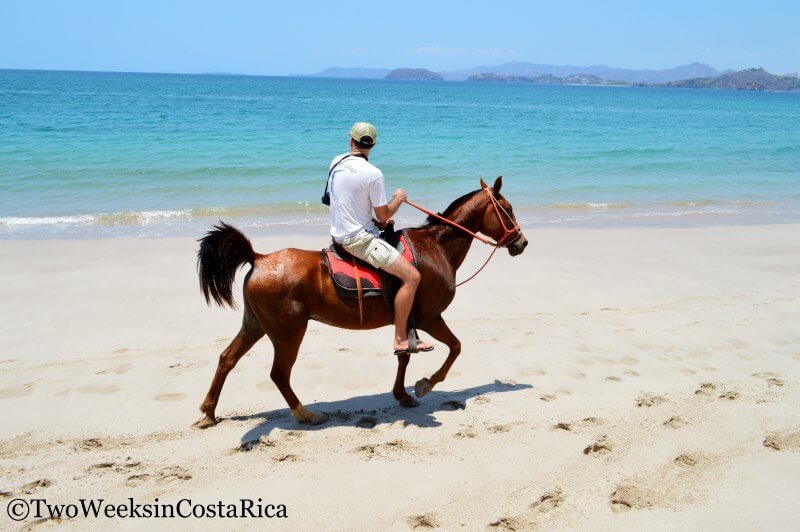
[371,249]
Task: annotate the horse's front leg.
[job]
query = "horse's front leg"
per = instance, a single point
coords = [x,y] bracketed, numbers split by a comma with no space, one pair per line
[440,331]
[399,390]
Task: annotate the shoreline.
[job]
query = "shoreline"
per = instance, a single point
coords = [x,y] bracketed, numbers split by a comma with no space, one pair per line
[573,217]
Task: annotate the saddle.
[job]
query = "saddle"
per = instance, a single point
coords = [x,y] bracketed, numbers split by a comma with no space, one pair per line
[355,279]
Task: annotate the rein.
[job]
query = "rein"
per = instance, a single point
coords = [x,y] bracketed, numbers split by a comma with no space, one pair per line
[516,230]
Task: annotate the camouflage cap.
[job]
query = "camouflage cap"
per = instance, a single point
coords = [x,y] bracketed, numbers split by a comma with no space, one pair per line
[364,132]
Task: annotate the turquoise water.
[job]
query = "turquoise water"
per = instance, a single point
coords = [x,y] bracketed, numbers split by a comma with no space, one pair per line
[110,154]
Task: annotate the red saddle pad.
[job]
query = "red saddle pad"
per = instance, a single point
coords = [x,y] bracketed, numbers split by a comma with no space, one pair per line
[343,274]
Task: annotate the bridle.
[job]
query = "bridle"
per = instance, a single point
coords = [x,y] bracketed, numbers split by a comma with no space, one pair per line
[514,232]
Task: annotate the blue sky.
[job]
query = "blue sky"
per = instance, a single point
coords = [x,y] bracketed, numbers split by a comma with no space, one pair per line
[304,37]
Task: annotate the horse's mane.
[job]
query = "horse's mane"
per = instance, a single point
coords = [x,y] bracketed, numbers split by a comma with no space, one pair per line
[458,202]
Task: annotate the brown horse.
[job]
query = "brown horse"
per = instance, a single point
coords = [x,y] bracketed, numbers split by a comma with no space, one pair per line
[285,289]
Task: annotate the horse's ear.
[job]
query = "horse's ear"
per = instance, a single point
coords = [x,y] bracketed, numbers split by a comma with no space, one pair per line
[483,184]
[498,184]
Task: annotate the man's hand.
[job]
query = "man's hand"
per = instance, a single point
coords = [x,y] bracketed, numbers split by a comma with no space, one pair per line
[385,212]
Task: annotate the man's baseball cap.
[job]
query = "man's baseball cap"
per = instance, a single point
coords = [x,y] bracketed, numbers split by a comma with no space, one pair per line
[364,132]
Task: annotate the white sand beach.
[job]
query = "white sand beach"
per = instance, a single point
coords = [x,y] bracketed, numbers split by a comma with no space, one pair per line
[625,378]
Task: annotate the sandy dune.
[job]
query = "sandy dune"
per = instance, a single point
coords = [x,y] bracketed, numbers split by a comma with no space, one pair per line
[610,379]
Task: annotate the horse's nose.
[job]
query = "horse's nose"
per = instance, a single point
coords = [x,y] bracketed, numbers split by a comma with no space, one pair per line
[518,247]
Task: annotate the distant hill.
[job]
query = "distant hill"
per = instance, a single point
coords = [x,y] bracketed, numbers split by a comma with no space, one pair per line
[355,73]
[751,79]
[576,79]
[414,74]
[532,70]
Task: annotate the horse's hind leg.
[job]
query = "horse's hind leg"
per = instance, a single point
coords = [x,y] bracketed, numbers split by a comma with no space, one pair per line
[286,338]
[441,332]
[248,335]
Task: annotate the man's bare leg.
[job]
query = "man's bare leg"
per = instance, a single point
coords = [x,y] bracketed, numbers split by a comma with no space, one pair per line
[404,300]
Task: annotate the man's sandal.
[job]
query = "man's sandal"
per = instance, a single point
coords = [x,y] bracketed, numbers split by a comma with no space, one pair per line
[413,345]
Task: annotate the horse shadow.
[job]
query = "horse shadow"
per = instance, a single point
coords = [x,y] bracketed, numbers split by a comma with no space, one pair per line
[368,411]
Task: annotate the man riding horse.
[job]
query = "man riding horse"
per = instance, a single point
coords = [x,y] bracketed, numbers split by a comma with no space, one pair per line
[285,289]
[356,192]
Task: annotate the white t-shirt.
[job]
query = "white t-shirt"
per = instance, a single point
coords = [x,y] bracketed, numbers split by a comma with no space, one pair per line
[356,188]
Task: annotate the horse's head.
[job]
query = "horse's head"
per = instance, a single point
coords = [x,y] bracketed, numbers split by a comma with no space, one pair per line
[499,222]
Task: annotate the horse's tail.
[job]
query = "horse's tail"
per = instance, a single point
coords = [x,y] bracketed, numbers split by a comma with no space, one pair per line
[222,251]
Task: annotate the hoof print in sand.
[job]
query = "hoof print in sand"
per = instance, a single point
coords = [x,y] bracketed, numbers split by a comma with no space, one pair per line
[382,450]
[547,397]
[580,424]
[286,458]
[454,405]
[705,388]
[137,480]
[499,429]
[686,460]
[598,448]
[483,399]
[647,400]
[173,473]
[626,498]
[252,445]
[367,422]
[781,442]
[170,397]
[729,395]
[771,378]
[549,501]
[509,523]
[423,521]
[468,432]
[166,475]
[545,504]
[675,422]
[113,466]
[31,487]
[87,445]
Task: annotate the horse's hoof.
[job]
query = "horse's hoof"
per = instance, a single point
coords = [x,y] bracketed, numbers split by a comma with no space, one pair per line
[205,423]
[303,415]
[317,418]
[408,402]
[422,387]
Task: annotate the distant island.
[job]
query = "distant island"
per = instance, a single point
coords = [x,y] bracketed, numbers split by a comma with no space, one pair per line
[414,74]
[751,79]
[575,79]
[532,70]
[691,76]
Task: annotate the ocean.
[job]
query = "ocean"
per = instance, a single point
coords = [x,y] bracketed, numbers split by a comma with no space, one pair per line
[93,155]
